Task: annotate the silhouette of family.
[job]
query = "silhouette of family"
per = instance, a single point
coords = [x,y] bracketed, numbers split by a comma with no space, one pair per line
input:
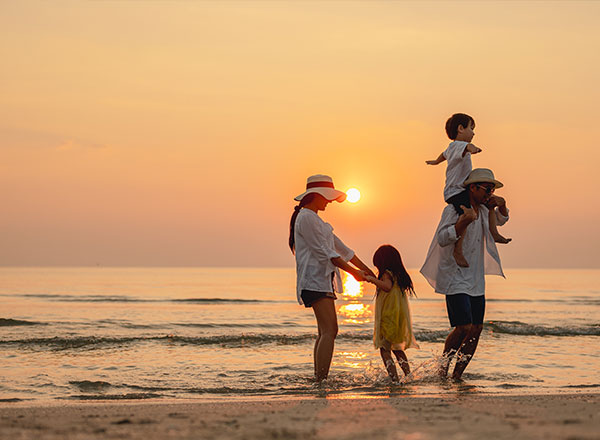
[462,252]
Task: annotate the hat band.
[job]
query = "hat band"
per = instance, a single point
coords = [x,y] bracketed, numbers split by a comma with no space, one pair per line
[319,185]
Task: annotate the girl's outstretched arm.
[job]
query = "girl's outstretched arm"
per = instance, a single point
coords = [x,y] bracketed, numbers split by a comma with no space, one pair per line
[439,159]
[385,283]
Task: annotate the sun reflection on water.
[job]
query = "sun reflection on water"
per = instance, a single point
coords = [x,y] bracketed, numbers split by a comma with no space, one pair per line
[352,288]
[355,313]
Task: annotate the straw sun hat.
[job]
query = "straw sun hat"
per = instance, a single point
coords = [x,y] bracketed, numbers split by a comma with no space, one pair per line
[482,175]
[322,184]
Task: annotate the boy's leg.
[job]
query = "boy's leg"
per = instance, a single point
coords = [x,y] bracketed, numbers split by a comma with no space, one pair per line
[403,361]
[386,355]
[458,254]
[498,238]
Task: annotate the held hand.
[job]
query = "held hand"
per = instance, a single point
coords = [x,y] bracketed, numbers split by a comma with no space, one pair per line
[431,162]
[370,279]
[358,275]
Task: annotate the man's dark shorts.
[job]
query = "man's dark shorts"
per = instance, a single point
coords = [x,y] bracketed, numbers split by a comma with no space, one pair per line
[465,309]
[459,199]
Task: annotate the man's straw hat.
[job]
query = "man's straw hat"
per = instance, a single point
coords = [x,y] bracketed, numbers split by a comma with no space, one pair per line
[482,175]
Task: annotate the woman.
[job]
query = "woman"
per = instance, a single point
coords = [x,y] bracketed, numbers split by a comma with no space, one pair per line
[319,253]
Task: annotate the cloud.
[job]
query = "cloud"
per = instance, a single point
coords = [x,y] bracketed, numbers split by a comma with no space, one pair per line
[11,137]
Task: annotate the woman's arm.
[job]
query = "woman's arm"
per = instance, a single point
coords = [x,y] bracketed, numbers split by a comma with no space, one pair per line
[362,266]
[357,274]
[385,283]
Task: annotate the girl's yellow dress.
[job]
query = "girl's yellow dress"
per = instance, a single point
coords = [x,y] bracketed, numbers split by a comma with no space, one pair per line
[393,326]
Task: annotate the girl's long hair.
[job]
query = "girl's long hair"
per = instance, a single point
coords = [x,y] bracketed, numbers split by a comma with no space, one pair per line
[387,257]
[305,201]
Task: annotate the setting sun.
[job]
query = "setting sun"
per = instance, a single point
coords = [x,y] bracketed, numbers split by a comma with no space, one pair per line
[353,195]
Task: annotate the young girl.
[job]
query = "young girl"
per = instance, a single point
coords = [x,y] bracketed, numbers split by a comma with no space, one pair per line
[393,327]
[319,253]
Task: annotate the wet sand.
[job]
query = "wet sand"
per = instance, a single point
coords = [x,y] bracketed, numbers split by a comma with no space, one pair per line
[464,416]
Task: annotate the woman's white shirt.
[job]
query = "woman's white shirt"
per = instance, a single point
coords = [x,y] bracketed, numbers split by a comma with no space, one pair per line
[316,245]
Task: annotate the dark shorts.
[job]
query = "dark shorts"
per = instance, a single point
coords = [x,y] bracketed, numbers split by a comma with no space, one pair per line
[458,200]
[309,297]
[465,309]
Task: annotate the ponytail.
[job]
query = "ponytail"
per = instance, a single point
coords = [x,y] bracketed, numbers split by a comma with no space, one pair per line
[305,201]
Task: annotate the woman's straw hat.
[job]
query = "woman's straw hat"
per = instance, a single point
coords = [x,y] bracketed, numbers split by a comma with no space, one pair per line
[322,184]
[482,175]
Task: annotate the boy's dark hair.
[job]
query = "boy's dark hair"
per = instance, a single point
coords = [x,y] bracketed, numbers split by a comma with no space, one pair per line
[454,121]
[387,257]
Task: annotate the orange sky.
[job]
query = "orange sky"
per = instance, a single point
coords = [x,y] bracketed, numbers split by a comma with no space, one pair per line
[177,133]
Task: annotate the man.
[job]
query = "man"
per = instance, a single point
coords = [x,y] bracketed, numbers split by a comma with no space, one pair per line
[464,287]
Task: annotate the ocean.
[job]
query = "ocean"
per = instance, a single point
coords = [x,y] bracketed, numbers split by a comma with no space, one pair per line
[187,333]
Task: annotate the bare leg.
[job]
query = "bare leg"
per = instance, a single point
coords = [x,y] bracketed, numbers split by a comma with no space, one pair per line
[498,238]
[390,366]
[324,310]
[458,254]
[467,350]
[453,343]
[403,361]
[315,351]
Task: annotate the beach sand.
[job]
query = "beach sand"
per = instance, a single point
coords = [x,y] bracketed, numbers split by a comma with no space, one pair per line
[463,416]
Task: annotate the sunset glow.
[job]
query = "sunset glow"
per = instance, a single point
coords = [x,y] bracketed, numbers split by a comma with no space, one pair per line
[184,138]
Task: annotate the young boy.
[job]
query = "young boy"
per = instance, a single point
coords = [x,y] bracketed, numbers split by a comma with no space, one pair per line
[459,128]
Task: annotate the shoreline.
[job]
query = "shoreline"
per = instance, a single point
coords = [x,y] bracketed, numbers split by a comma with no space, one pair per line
[460,416]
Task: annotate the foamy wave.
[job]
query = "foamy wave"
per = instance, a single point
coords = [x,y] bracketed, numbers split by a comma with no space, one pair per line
[524,329]
[16,322]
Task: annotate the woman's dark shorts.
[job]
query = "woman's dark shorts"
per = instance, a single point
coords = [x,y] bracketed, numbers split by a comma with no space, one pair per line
[309,297]
[465,309]
[459,199]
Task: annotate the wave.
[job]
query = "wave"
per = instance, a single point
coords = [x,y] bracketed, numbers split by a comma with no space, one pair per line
[524,329]
[128,396]
[16,322]
[130,299]
[231,341]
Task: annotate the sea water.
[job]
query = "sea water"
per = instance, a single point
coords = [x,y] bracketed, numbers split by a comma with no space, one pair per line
[181,333]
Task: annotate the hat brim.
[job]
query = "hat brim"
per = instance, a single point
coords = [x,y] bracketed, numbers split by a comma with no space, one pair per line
[329,193]
[497,183]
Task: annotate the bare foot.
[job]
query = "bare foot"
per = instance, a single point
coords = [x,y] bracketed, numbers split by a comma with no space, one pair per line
[500,239]
[460,258]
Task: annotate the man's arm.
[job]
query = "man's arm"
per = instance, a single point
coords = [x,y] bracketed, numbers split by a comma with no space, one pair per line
[439,160]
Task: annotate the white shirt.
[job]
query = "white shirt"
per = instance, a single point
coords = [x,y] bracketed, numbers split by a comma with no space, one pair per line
[457,169]
[440,268]
[316,245]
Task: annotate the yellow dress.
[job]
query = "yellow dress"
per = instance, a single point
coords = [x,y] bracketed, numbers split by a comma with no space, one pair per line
[393,325]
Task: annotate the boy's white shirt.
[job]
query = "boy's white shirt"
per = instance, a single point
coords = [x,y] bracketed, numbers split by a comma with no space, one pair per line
[457,169]
[316,245]
[440,268]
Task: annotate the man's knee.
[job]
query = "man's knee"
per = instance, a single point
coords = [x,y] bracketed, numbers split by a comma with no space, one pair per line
[476,329]
[464,329]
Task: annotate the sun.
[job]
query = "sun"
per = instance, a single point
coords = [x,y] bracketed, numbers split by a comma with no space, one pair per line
[353,195]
